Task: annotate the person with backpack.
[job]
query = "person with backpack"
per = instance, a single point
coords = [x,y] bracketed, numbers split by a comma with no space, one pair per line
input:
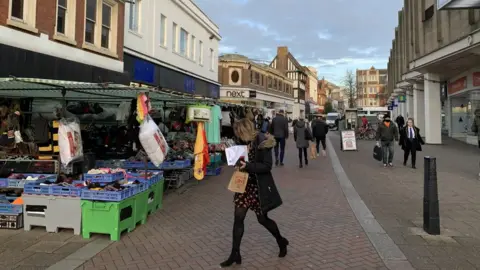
[302,135]
[319,132]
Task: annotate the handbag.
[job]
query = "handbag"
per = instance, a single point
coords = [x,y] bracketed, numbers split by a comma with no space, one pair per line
[377,153]
[308,134]
[238,182]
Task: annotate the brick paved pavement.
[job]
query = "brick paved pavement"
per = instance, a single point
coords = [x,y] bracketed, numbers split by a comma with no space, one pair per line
[394,195]
[194,229]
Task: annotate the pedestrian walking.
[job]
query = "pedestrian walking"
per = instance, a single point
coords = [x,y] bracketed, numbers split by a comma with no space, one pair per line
[400,121]
[302,135]
[387,133]
[411,141]
[319,132]
[261,194]
[279,130]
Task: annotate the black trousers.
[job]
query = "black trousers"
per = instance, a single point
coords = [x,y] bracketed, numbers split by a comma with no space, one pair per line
[322,140]
[304,152]
[410,148]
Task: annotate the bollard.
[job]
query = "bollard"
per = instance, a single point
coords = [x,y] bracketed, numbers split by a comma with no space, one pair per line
[431,209]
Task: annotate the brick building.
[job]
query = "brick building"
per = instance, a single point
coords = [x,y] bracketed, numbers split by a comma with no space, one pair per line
[371,84]
[70,40]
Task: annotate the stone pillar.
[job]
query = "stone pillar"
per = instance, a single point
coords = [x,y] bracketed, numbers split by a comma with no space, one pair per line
[433,109]
[418,107]
[409,104]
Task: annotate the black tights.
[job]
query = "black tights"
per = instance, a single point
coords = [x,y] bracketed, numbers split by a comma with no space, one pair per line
[239,227]
[302,151]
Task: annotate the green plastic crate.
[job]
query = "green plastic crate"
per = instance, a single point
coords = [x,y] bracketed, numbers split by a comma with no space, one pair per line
[159,198]
[111,218]
[152,204]
[141,204]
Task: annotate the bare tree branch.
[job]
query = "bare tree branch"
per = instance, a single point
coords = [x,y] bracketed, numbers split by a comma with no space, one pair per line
[350,89]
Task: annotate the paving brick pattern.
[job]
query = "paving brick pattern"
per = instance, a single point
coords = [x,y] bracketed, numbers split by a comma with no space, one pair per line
[36,249]
[395,197]
[194,229]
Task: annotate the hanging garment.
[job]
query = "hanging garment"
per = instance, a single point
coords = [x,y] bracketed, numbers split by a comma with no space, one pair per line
[198,171]
[213,126]
[206,156]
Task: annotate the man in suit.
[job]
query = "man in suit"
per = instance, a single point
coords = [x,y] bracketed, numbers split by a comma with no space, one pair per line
[411,141]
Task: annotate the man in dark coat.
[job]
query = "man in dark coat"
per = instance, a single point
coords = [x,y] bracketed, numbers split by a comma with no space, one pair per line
[279,130]
[400,121]
[387,133]
[319,131]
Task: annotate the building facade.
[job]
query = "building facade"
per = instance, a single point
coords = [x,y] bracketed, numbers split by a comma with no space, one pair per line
[312,83]
[371,84]
[288,65]
[173,45]
[65,40]
[433,69]
[244,81]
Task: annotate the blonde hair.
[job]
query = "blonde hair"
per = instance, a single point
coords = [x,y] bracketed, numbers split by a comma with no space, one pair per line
[244,129]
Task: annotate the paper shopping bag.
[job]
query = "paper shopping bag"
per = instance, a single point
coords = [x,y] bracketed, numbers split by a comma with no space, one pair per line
[238,182]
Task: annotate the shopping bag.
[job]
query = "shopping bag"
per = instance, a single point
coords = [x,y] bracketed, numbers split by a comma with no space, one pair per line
[238,182]
[377,153]
[313,150]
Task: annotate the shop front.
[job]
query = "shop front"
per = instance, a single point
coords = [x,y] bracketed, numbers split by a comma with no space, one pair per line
[256,98]
[165,78]
[463,102]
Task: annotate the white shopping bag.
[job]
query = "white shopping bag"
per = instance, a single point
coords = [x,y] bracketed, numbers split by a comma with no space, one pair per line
[234,153]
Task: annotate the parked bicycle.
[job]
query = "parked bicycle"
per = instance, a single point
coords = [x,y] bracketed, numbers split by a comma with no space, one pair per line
[366,133]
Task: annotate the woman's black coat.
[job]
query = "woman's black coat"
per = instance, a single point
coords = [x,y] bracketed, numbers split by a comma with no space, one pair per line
[405,143]
[262,168]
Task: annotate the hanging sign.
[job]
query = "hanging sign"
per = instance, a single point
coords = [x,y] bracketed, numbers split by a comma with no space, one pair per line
[349,141]
[402,99]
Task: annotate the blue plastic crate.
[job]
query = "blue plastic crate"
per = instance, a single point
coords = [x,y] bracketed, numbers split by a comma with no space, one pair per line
[214,172]
[103,178]
[140,165]
[71,191]
[3,182]
[181,164]
[8,208]
[111,196]
[155,178]
[37,189]
[113,163]
[17,183]
[139,188]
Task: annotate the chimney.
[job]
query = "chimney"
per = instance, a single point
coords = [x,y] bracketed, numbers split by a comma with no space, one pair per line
[282,59]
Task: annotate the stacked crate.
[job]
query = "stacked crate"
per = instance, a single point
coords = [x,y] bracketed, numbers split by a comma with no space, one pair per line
[215,166]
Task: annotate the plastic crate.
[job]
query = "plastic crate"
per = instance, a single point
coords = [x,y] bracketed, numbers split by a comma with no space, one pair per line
[140,177]
[108,218]
[214,172]
[58,212]
[140,165]
[141,207]
[110,196]
[8,208]
[181,164]
[37,189]
[11,221]
[20,183]
[71,191]
[103,178]
[114,163]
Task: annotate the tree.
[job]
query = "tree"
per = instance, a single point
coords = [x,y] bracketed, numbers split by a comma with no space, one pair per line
[328,107]
[350,89]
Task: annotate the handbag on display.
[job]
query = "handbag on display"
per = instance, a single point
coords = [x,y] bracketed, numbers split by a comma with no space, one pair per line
[198,113]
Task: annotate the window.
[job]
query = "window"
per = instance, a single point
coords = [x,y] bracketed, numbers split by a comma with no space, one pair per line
[101,26]
[90,21]
[106,23]
[175,37]
[269,82]
[257,78]
[17,9]
[183,42]
[200,50]
[251,76]
[134,15]
[428,14]
[163,31]
[192,48]
[61,16]
[212,59]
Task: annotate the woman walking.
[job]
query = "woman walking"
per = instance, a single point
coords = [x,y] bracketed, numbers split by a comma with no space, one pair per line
[411,141]
[302,135]
[261,194]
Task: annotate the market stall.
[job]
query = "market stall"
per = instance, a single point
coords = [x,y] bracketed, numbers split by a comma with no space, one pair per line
[94,174]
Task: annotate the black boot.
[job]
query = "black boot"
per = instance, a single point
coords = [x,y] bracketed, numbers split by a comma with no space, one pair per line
[282,244]
[233,258]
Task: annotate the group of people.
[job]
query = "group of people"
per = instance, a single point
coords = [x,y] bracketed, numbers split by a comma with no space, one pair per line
[408,137]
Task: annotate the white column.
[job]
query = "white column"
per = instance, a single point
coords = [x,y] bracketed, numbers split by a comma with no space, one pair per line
[409,96]
[433,109]
[418,107]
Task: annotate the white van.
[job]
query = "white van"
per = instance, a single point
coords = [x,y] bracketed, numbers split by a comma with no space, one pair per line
[331,117]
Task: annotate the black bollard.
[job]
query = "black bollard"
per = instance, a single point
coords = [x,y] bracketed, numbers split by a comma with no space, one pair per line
[431,209]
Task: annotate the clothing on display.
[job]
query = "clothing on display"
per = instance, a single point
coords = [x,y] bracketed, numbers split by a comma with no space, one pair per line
[153,141]
[213,126]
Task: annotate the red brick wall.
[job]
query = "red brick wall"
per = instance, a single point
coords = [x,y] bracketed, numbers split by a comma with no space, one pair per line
[46,17]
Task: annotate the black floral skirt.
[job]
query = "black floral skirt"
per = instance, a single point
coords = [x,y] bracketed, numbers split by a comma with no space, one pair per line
[249,199]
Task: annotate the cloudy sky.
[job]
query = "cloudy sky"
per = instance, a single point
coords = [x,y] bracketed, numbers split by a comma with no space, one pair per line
[331,35]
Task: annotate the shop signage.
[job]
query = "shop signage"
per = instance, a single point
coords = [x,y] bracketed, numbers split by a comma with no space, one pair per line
[349,142]
[402,99]
[236,94]
[457,85]
[252,94]
[476,78]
